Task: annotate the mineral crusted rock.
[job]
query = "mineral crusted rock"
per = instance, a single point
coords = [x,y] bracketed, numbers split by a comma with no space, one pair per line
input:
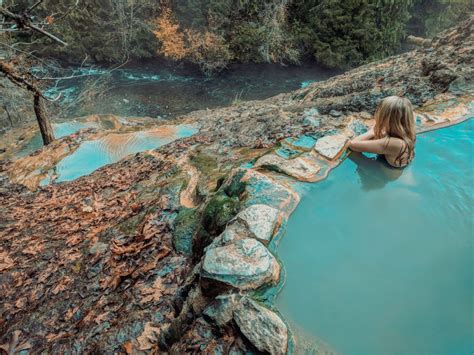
[221,310]
[260,221]
[233,232]
[299,168]
[261,189]
[263,327]
[244,264]
[331,147]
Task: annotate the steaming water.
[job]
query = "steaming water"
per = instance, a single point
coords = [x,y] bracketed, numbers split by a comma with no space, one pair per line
[380,261]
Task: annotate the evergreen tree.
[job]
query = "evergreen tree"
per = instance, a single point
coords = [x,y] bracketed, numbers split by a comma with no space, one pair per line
[347,33]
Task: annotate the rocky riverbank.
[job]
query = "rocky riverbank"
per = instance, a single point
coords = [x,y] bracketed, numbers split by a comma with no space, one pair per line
[175,249]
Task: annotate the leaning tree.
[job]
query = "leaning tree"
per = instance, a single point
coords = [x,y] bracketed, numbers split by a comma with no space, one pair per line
[25,22]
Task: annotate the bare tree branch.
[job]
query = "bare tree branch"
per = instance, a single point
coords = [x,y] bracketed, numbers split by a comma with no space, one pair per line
[24,21]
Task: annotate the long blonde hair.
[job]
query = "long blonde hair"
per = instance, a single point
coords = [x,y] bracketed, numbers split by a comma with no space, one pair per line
[394,118]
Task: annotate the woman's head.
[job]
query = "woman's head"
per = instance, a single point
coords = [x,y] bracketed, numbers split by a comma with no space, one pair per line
[394,118]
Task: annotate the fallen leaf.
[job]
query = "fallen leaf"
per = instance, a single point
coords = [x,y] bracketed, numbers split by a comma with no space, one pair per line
[149,337]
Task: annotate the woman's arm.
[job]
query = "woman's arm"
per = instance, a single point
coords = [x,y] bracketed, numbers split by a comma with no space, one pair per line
[365,137]
[376,146]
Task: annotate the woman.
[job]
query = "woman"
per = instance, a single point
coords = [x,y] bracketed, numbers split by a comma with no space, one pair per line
[393,134]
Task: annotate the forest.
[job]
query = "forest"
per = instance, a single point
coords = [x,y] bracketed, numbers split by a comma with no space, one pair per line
[214,33]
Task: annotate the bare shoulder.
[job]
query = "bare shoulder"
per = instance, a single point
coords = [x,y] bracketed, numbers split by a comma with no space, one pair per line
[394,145]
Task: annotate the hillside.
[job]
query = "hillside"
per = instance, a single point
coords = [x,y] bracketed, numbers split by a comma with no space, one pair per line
[162,251]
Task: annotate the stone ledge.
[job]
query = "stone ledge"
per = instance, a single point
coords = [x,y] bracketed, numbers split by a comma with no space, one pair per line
[244,264]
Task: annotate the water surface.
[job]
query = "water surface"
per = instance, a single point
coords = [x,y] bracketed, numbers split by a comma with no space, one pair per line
[157,89]
[379,260]
[94,154]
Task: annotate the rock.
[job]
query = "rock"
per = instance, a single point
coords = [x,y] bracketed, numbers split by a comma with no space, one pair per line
[221,310]
[463,84]
[365,115]
[234,186]
[233,232]
[335,113]
[261,326]
[312,121]
[185,227]
[245,264]
[358,127]
[259,220]
[443,77]
[261,189]
[219,210]
[299,168]
[331,147]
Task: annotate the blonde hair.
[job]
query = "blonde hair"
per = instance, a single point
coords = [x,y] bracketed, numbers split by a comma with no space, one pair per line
[394,118]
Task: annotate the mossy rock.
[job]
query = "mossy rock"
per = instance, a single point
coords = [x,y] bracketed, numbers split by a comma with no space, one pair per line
[186,225]
[129,226]
[219,210]
[234,187]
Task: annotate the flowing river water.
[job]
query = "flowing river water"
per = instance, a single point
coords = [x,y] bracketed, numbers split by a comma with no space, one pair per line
[380,260]
[157,89]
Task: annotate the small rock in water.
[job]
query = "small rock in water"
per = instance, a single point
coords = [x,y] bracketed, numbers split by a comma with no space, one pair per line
[244,264]
[126,101]
[331,147]
[263,327]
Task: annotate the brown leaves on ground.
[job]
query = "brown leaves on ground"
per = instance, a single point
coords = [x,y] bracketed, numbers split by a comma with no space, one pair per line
[88,265]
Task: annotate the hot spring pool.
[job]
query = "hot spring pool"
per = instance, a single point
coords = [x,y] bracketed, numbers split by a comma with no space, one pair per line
[380,261]
[94,154]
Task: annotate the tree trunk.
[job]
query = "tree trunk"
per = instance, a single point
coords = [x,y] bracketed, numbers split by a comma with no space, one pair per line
[45,126]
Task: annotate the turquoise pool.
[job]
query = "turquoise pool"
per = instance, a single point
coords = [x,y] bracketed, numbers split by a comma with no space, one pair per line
[94,154]
[380,261]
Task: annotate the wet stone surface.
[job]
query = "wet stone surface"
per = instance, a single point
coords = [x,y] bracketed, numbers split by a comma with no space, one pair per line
[261,326]
[244,264]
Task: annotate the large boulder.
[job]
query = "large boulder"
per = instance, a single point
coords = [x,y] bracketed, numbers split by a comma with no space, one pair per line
[244,264]
[261,222]
[331,147]
[263,327]
[261,189]
[299,168]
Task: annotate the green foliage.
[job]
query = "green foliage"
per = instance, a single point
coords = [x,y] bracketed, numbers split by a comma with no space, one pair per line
[216,32]
[218,211]
[185,228]
[433,16]
[347,33]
